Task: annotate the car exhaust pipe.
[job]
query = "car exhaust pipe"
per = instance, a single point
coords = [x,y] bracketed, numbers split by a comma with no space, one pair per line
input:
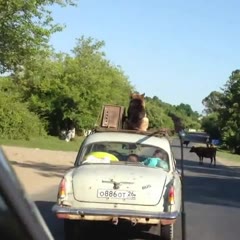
[115,221]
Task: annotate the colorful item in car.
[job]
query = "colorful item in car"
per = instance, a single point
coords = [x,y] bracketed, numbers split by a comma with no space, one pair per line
[155,162]
[106,157]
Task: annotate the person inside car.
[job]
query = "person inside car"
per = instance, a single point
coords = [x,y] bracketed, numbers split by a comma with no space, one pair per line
[133,157]
[157,160]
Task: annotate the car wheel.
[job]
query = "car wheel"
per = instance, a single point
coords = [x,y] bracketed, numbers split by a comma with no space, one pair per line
[166,232]
[71,229]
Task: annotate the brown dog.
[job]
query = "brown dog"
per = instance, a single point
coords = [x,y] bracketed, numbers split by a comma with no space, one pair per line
[136,113]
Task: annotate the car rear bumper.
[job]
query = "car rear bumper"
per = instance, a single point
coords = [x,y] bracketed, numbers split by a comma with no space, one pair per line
[113,214]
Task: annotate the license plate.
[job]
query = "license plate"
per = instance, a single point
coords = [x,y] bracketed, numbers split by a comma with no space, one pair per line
[116,194]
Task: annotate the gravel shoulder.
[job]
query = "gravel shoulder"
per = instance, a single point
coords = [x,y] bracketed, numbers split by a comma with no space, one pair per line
[39,169]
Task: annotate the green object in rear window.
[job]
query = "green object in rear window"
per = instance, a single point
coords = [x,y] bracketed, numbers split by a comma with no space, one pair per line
[155,162]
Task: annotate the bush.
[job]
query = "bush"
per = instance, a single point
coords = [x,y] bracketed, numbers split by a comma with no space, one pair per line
[17,122]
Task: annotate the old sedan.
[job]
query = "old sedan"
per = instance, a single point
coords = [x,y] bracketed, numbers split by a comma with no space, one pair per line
[121,175]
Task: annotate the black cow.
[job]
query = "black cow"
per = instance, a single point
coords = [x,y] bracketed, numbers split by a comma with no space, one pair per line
[186,142]
[207,152]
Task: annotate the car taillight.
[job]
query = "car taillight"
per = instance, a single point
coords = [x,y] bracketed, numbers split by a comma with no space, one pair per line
[62,189]
[171,195]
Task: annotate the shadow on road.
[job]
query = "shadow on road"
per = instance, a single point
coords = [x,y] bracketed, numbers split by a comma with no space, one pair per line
[54,224]
[122,231]
[217,171]
[209,185]
[46,169]
[212,190]
[107,231]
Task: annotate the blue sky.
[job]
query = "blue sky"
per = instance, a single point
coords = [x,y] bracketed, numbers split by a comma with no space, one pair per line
[179,51]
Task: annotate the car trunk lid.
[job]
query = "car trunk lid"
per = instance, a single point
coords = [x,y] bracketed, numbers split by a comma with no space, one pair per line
[127,184]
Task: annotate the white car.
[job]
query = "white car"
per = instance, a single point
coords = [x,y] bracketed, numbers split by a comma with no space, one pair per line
[105,185]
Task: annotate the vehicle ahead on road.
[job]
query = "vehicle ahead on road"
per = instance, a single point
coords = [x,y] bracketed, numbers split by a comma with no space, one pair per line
[19,217]
[105,184]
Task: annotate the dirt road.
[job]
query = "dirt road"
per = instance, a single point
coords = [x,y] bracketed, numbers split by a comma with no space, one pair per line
[37,169]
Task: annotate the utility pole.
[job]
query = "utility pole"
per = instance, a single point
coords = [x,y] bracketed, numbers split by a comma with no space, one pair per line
[183,215]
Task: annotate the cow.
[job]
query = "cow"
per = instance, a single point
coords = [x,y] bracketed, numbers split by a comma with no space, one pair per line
[186,142]
[207,152]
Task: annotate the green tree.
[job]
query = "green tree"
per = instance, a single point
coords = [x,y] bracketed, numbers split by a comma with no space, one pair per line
[25,28]
[211,125]
[229,112]
[186,109]
[165,115]
[17,122]
[157,116]
[213,102]
[183,117]
[73,87]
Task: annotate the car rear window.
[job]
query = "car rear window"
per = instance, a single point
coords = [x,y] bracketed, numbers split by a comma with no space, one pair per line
[119,153]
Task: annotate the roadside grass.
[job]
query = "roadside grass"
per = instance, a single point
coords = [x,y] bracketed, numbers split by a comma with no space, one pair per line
[54,143]
[227,155]
[48,143]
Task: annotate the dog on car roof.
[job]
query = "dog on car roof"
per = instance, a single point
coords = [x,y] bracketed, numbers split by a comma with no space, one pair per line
[136,114]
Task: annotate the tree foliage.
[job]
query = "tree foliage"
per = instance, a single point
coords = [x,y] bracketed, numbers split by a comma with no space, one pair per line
[73,87]
[213,102]
[157,115]
[223,109]
[229,114]
[17,122]
[164,115]
[25,28]
[211,124]
[187,110]
[48,89]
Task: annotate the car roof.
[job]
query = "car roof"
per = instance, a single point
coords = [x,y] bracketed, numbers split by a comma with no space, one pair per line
[149,138]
